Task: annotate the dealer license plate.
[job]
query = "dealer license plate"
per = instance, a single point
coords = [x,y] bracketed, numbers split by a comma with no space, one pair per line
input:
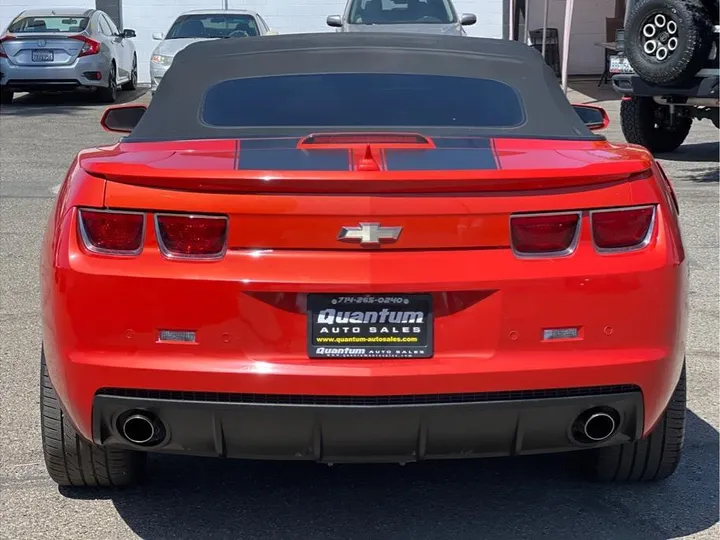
[620,64]
[43,56]
[370,326]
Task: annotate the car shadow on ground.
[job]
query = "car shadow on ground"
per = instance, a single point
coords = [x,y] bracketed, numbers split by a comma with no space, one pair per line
[593,93]
[705,152]
[64,103]
[531,497]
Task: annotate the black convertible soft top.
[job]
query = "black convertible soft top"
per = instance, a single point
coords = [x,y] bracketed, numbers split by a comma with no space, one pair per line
[212,84]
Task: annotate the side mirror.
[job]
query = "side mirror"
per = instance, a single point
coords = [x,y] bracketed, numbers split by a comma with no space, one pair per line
[158,36]
[128,33]
[468,19]
[122,118]
[335,21]
[595,118]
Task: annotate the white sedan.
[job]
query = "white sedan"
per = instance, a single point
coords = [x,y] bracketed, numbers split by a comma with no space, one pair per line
[201,25]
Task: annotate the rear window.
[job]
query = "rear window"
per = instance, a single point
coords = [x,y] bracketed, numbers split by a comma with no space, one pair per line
[362,99]
[48,23]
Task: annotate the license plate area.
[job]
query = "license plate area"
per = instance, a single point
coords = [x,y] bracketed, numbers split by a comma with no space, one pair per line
[620,64]
[43,56]
[370,326]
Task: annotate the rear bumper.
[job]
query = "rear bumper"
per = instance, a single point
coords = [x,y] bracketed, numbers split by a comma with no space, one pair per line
[102,317]
[699,87]
[30,78]
[357,429]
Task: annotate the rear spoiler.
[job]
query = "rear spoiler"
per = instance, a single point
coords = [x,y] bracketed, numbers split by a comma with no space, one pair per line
[367,182]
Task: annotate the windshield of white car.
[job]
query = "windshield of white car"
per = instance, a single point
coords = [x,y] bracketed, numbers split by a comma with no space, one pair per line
[48,23]
[402,12]
[213,26]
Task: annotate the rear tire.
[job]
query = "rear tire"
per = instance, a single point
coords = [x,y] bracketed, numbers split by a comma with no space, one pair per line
[692,39]
[647,123]
[653,458]
[73,461]
[6,97]
[108,94]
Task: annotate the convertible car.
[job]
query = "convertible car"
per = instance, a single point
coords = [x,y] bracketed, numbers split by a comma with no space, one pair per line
[354,248]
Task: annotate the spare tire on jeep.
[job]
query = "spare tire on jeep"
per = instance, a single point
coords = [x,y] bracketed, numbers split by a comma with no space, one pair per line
[668,41]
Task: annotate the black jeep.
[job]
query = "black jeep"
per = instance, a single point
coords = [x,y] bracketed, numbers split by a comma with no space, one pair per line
[667,70]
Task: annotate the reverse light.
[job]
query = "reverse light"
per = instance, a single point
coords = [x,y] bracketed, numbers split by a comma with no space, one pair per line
[112,233]
[622,229]
[191,236]
[90,46]
[544,234]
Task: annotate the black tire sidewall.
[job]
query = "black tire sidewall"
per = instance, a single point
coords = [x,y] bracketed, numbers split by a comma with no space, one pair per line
[637,121]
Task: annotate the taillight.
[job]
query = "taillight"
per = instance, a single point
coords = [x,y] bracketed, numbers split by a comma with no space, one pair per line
[191,236]
[3,54]
[110,232]
[90,46]
[545,234]
[622,229]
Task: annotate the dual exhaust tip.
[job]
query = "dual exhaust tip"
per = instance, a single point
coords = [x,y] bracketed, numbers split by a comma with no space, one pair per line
[141,428]
[596,425]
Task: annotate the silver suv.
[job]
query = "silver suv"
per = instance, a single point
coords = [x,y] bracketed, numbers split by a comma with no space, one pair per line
[66,49]
[415,16]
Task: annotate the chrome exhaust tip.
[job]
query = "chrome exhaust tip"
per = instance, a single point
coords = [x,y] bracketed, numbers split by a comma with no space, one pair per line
[599,426]
[141,429]
[595,425]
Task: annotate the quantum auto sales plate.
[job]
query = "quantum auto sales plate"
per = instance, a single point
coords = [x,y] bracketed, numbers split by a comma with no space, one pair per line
[370,326]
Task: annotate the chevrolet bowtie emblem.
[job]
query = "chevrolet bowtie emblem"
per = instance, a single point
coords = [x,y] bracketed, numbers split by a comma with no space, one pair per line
[369,234]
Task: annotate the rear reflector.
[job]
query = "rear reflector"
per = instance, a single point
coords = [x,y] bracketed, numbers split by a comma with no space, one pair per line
[177,336]
[115,233]
[622,228]
[544,234]
[191,236]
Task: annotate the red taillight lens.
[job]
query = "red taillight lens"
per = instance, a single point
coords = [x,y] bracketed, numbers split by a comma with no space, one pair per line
[114,233]
[90,46]
[190,236]
[621,228]
[541,234]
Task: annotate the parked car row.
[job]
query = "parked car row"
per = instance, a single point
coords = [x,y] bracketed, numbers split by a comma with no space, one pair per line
[68,49]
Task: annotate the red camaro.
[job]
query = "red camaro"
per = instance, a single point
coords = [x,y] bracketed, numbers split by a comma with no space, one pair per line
[362,248]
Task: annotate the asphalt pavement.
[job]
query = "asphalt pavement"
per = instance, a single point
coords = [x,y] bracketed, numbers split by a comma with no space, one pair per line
[534,497]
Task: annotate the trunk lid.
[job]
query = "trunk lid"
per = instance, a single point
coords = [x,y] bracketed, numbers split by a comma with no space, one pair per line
[42,49]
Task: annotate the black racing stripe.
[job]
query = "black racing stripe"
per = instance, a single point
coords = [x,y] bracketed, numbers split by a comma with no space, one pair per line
[292,159]
[462,142]
[441,159]
[263,143]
